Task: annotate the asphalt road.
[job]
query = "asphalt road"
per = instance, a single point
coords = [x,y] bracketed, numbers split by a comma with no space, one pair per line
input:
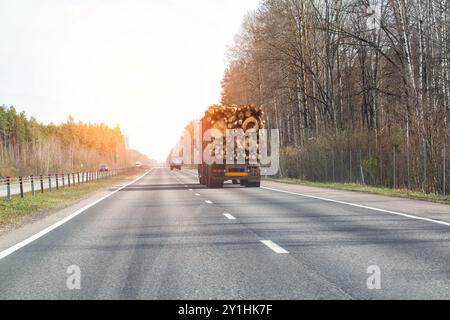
[166,237]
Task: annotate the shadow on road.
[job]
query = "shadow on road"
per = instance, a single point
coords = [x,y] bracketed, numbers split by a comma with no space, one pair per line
[155,187]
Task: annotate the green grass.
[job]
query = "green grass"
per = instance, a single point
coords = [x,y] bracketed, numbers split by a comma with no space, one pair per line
[11,212]
[369,189]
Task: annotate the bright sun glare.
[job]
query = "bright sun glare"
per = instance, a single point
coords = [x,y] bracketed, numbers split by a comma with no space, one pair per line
[150,66]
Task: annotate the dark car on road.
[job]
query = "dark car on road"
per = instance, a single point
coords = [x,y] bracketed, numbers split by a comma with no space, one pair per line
[103,167]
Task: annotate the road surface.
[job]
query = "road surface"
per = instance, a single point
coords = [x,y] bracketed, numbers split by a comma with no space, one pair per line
[166,237]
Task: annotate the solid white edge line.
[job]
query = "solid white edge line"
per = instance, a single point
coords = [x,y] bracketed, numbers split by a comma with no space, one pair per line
[229,216]
[276,248]
[40,234]
[362,206]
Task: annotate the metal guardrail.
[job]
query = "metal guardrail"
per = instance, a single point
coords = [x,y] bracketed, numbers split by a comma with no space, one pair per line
[47,183]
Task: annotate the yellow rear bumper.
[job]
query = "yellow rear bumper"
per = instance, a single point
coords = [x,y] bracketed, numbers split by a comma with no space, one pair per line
[236,174]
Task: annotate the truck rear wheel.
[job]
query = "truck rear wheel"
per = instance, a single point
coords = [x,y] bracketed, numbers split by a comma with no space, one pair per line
[213,183]
[255,184]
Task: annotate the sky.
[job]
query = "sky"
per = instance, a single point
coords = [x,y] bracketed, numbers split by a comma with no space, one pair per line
[150,66]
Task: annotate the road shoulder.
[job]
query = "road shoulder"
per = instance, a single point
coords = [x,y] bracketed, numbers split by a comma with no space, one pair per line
[425,209]
[34,223]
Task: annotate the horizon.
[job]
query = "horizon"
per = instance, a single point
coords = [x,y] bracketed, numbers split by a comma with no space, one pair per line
[140,65]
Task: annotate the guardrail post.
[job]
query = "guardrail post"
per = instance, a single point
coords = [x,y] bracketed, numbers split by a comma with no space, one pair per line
[21,186]
[32,185]
[8,188]
[68,179]
[50,182]
[57,182]
[63,182]
[73,178]
[42,183]
[78,177]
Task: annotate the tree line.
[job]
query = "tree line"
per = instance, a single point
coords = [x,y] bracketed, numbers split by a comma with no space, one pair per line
[30,147]
[359,89]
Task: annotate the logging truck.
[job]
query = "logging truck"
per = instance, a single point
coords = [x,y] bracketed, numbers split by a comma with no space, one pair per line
[247,173]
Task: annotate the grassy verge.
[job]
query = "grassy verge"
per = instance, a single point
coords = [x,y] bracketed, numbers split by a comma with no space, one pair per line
[13,211]
[369,189]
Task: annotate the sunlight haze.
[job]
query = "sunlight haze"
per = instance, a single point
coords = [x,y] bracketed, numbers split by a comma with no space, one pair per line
[150,66]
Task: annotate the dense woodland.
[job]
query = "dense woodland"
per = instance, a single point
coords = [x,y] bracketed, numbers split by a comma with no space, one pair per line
[358,89]
[29,147]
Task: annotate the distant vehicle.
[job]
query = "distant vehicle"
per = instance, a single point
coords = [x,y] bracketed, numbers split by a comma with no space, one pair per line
[103,167]
[176,163]
[138,164]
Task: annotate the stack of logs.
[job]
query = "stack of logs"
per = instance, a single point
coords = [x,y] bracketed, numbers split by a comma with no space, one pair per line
[247,118]
[235,117]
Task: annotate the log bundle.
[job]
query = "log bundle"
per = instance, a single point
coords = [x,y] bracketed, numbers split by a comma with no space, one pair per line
[246,117]
[235,117]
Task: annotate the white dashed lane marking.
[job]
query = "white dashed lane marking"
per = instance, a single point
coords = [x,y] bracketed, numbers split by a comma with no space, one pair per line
[276,248]
[229,216]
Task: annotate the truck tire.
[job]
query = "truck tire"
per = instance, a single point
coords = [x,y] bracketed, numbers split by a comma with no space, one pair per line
[254,184]
[211,183]
[215,184]
[235,181]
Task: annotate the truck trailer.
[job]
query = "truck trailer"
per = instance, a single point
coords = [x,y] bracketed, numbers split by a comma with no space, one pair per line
[247,174]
